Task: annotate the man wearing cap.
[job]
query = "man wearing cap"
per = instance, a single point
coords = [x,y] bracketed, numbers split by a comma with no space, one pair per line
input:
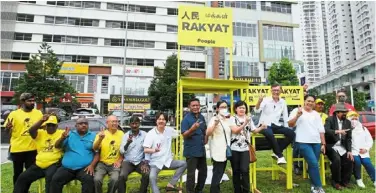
[338,136]
[22,147]
[341,98]
[45,133]
[319,107]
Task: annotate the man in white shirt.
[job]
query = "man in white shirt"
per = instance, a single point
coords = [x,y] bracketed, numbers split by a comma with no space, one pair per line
[272,109]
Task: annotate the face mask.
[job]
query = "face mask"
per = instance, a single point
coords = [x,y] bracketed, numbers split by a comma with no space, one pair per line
[223,112]
[342,99]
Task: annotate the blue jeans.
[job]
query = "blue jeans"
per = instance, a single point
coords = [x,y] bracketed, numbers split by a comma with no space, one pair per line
[311,154]
[366,162]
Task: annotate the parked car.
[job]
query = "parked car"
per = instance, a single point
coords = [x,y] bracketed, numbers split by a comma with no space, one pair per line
[149,118]
[86,112]
[367,118]
[5,111]
[61,114]
[95,124]
[126,115]
[139,115]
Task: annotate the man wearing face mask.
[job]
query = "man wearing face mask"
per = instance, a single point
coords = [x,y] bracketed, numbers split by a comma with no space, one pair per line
[341,98]
[22,147]
[338,136]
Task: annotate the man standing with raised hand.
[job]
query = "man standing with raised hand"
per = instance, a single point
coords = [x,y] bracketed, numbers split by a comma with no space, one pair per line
[79,159]
[108,143]
[193,128]
[272,109]
[22,147]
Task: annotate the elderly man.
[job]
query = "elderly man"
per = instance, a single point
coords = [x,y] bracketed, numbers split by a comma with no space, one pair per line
[108,143]
[45,133]
[22,147]
[79,159]
[338,136]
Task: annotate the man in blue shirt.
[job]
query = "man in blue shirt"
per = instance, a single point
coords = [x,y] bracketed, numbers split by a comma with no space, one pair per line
[133,152]
[193,129]
[79,159]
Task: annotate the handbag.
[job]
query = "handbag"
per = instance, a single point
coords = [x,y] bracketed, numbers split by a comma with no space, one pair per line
[228,149]
[252,152]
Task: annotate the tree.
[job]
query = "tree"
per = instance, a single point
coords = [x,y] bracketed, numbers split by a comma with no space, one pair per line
[283,73]
[42,78]
[162,90]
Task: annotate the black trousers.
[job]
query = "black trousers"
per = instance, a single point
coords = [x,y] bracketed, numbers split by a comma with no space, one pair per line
[279,146]
[194,163]
[341,167]
[240,169]
[32,174]
[65,175]
[126,169]
[218,171]
[22,160]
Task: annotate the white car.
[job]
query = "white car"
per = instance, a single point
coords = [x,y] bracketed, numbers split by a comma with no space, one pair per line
[88,113]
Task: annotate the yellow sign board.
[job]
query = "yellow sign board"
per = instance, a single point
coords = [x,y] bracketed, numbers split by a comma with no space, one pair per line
[205,26]
[293,95]
[70,68]
[129,106]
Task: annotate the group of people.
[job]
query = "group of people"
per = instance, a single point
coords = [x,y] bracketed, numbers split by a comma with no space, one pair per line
[61,156]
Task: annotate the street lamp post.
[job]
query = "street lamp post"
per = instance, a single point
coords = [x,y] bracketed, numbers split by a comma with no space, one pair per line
[124,66]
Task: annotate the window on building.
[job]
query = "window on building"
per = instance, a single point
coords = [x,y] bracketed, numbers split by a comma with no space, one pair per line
[140,62]
[20,56]
[23,36]
[241,4]
[72,21]
[131,8]
[278,33]
[114,42]
[172,11]
[25,17]
[104,85]
[77,82]
[113,60]
[81,4]
[140,43]
[243,68]
[77,58]
[192,64]
[172,28]
[244,29]
[9,80]
[33,2]
[279,7]
[171,45]
[131,25]
[92,85]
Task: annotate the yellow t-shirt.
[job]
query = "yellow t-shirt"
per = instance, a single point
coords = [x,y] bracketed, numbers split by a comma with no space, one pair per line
[323,117]
[47,153]
[110,147]
[20,140]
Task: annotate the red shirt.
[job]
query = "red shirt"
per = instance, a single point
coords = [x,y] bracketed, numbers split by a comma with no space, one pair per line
[347,106]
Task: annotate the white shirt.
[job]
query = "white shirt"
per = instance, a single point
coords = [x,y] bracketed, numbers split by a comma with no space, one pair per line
[272,111]
[153,139]
[361,139]
[338,147]
[308,126]
[217,142]
[239,141]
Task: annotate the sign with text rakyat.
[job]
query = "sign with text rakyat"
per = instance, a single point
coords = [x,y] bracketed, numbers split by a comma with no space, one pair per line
[204,26]
[294,95]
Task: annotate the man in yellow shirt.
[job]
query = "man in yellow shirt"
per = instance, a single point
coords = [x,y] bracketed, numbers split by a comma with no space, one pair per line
[108,143]
[45,134]
[22,147]
[319,107]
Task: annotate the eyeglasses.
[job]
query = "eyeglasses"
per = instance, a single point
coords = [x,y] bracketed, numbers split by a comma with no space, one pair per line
[223,107]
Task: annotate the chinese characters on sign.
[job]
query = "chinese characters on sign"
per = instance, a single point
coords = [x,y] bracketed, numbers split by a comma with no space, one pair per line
[203,26]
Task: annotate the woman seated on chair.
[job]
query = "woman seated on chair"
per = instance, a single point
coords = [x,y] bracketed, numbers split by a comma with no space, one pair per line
[361,144]
[157,148]
[310,133]
[45,135]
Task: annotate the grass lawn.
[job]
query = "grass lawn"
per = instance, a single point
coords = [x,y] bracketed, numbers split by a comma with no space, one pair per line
[264,182]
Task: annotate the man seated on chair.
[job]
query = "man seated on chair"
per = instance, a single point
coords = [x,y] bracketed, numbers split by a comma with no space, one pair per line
[44,133]
[79,159]
[338,136]
[157,147]
[108,143]
[134,157]
[272,108]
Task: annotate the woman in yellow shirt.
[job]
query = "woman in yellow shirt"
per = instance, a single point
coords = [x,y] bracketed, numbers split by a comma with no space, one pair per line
[48,157]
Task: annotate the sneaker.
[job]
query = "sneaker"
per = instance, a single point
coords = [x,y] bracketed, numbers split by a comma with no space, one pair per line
[360,183]
[281,160]
[314,190]
[274,156]
[320,190]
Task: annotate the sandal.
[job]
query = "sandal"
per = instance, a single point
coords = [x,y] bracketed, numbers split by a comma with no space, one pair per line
[173,188]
